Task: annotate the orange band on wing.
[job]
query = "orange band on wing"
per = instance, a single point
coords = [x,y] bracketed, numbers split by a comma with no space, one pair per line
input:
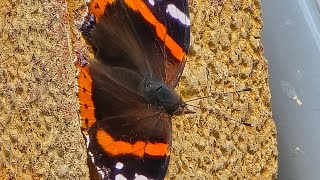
[97,7]
[139,5]
[85,97]
[139,148]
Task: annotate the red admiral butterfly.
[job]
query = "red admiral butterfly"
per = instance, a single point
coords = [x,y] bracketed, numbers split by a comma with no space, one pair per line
[126,94]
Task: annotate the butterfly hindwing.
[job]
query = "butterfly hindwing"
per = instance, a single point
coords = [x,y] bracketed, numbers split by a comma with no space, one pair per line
[115,157]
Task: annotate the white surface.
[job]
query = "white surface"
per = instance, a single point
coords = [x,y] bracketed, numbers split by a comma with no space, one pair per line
[291,42]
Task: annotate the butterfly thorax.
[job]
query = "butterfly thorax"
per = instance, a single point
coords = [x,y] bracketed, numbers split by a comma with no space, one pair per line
[162,96]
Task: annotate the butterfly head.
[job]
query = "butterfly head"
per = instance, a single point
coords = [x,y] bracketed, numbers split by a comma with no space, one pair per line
[162,96]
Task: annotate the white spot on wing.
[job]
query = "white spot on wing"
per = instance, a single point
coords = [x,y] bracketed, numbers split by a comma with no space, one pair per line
[91,156]
[120,177]
[119,165]
[140,177]
[177,14]
[87,140]
[101,172]
[151,2]
[104,172]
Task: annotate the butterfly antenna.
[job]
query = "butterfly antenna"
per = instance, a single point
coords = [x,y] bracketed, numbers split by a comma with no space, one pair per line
[225,93]
[230,118]
[186,104]
[241,122]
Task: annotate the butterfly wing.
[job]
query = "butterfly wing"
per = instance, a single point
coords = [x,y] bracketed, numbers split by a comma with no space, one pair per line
[158,32]
[174,15]
[125,136]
